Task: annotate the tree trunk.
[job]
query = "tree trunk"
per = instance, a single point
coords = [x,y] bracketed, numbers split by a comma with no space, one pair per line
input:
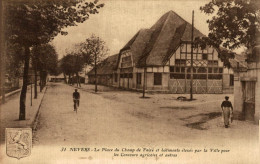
[45,78]
[78,80]
[69,78]
[65,78]
[95,72]
[144,82]
[72,79]
[25,83]
[40,81]
[2,78]
[3,52]
[35,80]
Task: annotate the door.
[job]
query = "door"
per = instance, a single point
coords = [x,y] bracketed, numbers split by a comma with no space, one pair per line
[248,88]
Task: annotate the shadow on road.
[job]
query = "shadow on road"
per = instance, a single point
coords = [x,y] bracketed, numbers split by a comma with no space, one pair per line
[203,118]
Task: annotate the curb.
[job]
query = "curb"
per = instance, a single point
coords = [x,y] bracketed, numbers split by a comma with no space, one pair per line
[35,122]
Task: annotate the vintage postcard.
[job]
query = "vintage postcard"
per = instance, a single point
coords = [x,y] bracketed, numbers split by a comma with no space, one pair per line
[130,81]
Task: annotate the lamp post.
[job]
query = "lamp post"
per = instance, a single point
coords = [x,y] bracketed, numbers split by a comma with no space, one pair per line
[191,65]
[144,78]
[31,90]
[95,72]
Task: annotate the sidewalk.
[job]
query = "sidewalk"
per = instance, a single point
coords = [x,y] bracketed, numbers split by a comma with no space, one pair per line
[9,112]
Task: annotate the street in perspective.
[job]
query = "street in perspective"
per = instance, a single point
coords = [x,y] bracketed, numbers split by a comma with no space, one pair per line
[130,82]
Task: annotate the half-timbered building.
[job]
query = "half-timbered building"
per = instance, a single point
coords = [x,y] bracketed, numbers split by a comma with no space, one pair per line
[160,58]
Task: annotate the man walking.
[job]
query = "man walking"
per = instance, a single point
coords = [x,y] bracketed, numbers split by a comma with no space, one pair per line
[227,110]
[76,97]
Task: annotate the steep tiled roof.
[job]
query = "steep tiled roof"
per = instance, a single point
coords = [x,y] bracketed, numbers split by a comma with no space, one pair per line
[161,40]
[107,66]
[138,43]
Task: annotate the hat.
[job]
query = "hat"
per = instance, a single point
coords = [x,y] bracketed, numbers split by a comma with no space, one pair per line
[226,97]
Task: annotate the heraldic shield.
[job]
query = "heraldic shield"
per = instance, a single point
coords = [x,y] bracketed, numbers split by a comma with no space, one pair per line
[18,142]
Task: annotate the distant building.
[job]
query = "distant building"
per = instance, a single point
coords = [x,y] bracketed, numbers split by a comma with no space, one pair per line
[58,78]
[106,72]
[160,57]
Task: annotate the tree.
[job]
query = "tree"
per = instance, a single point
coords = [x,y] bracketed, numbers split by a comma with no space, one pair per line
[72,64]
[14,60]
[235,24]
[93,51]
[38,22]
[66,65]
[45,60]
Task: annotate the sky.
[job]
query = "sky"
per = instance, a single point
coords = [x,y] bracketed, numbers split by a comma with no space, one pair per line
[119,20]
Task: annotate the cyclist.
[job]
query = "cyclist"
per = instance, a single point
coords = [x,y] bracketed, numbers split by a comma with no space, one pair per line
[76,97]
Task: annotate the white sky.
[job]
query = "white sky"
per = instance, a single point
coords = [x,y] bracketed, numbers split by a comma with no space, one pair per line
[119,20]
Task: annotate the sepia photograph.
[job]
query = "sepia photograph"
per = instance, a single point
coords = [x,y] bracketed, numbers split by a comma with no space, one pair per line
[130,81]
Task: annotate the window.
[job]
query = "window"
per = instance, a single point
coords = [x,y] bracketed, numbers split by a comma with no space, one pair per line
[157,79]
[138,78]
[177,76]
[205,56]
[177,69]
[130,75]
[231,83]
[180,62]
[210,70]
[194,70]
[126,62]
[115,77]
[215,76]
[126,59]
[171,69]
[213,63]
[199,76]
[183,69]
[202,70]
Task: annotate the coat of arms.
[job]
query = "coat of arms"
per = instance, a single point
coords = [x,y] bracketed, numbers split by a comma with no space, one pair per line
[18,142]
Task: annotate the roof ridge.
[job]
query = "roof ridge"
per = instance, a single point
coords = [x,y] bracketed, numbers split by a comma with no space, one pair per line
[160,33]
[146,54]
[165,23]
[179,16]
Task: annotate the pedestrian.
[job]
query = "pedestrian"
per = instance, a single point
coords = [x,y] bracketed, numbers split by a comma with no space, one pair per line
[76,98]
[227,110]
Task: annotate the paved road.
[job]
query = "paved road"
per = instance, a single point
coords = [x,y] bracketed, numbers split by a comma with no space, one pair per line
[99,122]
[104,122]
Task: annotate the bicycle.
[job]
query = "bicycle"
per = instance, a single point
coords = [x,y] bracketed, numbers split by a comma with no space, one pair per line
[76,105]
